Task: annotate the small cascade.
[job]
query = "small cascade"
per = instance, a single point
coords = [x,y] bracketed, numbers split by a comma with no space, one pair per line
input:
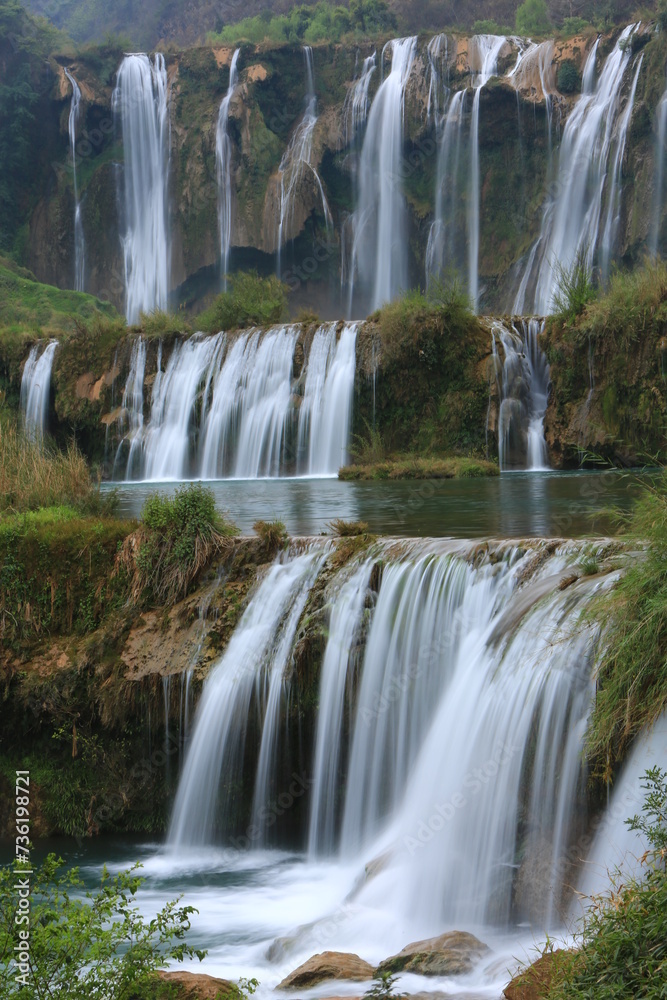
[323,441]
[166,699]
[448,743]
[223,160]
[571,222]
[355,115]
[79,243]
[443,250]
[437,55]
[227,408]
[379,246]
[296,161]
[523,387]
[483,56]
[141,101]
[261,642]
[658,190]
[36,389]
[357,101]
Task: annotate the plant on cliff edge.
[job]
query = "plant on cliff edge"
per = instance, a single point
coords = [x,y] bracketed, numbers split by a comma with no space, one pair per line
[87,944]
[250,301]
[574,286]
[177,539]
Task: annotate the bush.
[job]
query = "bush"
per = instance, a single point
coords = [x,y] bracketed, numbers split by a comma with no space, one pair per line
[574,26]
[348,529]
[624,940]
[634,303]
[251,301]
[489,28]
[568,80]
[575,288]
[273,534]
[97,945]
[176,540]
[532,18]
[632,664]
[323,22]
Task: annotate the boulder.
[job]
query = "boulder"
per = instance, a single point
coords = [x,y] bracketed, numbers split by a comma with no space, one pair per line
[196,986]
[451,954]
[534,982]
[327,965]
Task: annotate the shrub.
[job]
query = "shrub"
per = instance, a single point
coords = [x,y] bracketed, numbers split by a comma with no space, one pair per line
[574,26]
[532,18]
[95,945]
[575,288]
[634,303]
[489,28]
[250,301]
[632,664]
[568,80]
[273,534]
[348,529]
[623,943]
[176,540]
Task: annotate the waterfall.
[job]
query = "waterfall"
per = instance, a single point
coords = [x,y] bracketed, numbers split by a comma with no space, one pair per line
[355,108]
[448,744]
[79,243]
[436,53]
[523,387]
[483,56]
[295,163]
[141,100]
[35,390]
[571,219]
[441,251]
[261,642]
[227,407]
[661,139]
[323,441]
[223,159]
[379,249]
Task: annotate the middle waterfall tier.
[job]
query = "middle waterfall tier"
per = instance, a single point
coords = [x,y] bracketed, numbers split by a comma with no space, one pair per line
[241,407]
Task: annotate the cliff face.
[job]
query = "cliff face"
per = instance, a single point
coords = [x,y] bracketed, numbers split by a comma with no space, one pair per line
[519,130]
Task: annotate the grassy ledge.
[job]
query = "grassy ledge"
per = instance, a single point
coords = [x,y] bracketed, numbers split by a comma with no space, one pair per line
[415,467]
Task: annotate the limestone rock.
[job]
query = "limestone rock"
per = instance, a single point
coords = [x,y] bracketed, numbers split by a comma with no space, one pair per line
[327,965]
[451,954]
[196,986]
[534,982]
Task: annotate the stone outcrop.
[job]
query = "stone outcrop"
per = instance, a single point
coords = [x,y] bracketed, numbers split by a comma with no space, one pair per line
[534,982]
[328,965]
[196,986]
[452,954]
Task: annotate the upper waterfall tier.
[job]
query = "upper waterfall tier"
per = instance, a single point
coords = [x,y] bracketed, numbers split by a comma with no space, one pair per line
[236,408]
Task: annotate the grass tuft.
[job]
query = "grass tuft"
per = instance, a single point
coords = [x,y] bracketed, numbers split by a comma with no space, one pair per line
[273,534]
[347,529]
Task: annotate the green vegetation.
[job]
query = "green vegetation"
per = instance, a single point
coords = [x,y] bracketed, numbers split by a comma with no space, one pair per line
[568,80]
[176,540]
[348,529]
[634,303]
[417,467]
[250,301]
[632,667]
[86,944]
[383,988]
[575,287]
[323,22]
[623,951]
[532,18]
[273,534]
[489,28]
[27,304]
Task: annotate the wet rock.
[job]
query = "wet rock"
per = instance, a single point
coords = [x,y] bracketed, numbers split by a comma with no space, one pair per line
[451,954]
[327,965]
[535,981]
[196,986]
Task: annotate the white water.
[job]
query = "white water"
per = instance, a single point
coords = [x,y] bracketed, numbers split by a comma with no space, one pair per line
[523,385]
[229,408]
[35,390]
[441,251]
[79,242]
[141,100]
[658,192]
[483,56]
[379,247]
[357,102]
[296,163]
[223,160]
[571,223]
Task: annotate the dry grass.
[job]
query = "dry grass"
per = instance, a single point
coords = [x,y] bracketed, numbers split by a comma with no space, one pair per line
[34,476]
[347,529]
[417,467]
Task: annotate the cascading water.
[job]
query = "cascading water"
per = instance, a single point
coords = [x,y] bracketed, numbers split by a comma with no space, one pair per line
[453,730]
[571,219]
[442,251]
[379,248]
[523,387]
[35,390]
[227,408]
[223,160]
[483,57]
[661,139]
[357,102]
[141,100]
[355,115]
[296,161]
[79,242]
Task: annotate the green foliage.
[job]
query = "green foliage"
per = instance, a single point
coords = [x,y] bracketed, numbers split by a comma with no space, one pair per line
[623,949]
[632,664]
[273,534]
[27,304]
[87,944]
[323,22]
[574,26]
[575,287]
[160,324]
[419,467]
[662,14]
[251,301]
[634,304]
[568,80]
[369,448]
[383,988]
[489,28]
[177,539]
[532,18]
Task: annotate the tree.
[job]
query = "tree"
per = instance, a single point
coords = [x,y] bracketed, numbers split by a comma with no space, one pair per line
[532,18]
